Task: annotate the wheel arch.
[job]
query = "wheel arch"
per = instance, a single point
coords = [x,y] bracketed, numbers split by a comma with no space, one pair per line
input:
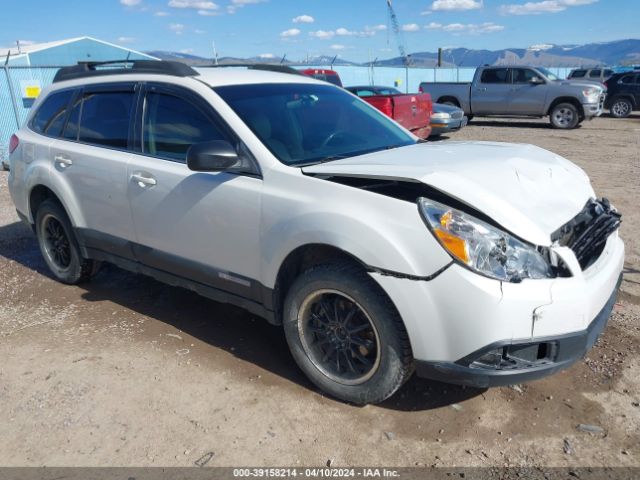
[41,192]
[449,98]
[303,258]
[572,100]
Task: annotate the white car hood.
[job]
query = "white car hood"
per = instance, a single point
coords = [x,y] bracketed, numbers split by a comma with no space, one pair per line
[531,192]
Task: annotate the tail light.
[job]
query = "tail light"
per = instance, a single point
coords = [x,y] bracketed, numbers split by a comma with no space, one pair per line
[420,89]
[386,107]
[13,143]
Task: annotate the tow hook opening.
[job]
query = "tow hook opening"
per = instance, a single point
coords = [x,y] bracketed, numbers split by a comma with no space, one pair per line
[510,357]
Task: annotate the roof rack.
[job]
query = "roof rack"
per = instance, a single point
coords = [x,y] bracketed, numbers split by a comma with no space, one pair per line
[92,69]
[269,67]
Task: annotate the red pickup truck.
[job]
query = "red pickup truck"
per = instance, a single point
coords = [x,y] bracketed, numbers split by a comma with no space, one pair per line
[412,110]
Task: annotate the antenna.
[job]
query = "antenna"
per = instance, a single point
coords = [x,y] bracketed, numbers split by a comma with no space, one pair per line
[18,44]
[215,53]
[283,58]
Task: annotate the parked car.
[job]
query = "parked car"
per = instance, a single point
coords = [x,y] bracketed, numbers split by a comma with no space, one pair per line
[595,74]
[473,263]
[522,91]
[412,111]
[323,74]
[623,95]
[446,119]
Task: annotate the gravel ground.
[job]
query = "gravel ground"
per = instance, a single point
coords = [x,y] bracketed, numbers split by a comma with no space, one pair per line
[125,371]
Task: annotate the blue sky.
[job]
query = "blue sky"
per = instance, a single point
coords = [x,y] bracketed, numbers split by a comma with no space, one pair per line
[354,29]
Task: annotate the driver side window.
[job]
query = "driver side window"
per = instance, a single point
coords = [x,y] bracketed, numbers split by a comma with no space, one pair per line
[524,75]
[172,124]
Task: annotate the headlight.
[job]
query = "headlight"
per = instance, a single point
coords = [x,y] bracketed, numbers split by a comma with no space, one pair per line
[591,92]
[441,116]
[481,247]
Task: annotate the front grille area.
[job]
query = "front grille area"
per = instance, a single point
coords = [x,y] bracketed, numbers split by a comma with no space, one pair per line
[586,234]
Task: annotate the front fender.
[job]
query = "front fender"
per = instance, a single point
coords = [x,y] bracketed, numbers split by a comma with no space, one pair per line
[381,232]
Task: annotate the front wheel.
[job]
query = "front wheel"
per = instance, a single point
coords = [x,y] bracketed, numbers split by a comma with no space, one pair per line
[345,334]
[621,108]
[564,116]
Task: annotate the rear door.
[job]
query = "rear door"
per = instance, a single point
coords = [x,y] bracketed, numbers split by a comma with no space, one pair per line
[490,95]
[90,159]
[202,226]
[527,98]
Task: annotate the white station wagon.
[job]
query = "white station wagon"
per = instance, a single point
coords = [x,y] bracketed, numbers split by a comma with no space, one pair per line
[467,262]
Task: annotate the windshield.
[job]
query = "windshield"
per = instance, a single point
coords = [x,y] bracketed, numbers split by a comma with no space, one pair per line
[303,124]
[548,74]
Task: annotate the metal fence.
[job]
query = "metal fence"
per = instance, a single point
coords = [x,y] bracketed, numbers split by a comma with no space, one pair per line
[14,107]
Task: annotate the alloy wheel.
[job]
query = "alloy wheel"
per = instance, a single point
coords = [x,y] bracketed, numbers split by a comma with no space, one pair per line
[56,242]
[339,337]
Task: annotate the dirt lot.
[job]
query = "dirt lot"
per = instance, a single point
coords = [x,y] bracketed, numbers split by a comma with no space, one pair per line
[126,371]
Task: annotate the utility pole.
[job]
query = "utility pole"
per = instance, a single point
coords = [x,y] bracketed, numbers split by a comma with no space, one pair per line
[215,53]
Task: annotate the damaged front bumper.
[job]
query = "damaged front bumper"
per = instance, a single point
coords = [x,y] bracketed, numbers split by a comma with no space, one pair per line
[505,363]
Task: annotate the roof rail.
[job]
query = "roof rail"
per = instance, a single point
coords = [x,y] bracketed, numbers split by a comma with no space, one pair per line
[269,67]
[91,69]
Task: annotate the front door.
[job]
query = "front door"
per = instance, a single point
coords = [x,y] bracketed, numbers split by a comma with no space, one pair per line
[528,92]
[490,95]
[203,227]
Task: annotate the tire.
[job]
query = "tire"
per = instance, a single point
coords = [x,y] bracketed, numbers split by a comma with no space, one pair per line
[621,108]
[339,307]
[564,116]
[59,246]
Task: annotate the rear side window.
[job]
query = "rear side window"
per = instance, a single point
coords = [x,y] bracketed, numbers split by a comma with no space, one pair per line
[104,118]
[172,125]
[524,75]
[49,119]
[628,79]
[495,75]
[578,73]
[595,73]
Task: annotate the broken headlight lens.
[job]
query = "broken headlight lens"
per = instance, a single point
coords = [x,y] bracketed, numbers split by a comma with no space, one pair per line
[481,247]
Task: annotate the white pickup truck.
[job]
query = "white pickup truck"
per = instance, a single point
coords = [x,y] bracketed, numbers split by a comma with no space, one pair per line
[517,91]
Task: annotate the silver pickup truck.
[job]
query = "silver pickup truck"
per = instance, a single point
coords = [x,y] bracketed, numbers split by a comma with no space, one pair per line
[522,91]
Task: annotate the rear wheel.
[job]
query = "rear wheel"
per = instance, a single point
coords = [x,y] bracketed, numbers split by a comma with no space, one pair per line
[345,334]
[564,116]
[621,108]
[59,246]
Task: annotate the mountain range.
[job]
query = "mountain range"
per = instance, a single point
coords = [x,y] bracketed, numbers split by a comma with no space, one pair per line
[620,52]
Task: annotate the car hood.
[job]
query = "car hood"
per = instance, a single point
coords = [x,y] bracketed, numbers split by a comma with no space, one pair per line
[531,192]
[581,83]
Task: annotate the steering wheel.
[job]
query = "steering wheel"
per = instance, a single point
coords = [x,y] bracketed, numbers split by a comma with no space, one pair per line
[332,136]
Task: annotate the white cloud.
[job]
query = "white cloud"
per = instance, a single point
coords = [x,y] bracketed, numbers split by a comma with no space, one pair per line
[337,46]
[456,4]
[25,43]
[208,13]
[266,55]
[194,4]
[130,3]
[376,28]
[426,12]
[303,19]
[323,34]
[176,28]
[161,14]
[545,6]
[467,28]
[410,27]
[120,40]
[343,32]
[199,32]
[292,32]
[236,4]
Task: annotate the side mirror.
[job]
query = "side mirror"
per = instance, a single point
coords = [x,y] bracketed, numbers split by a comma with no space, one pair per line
[213,156]
[536,81]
